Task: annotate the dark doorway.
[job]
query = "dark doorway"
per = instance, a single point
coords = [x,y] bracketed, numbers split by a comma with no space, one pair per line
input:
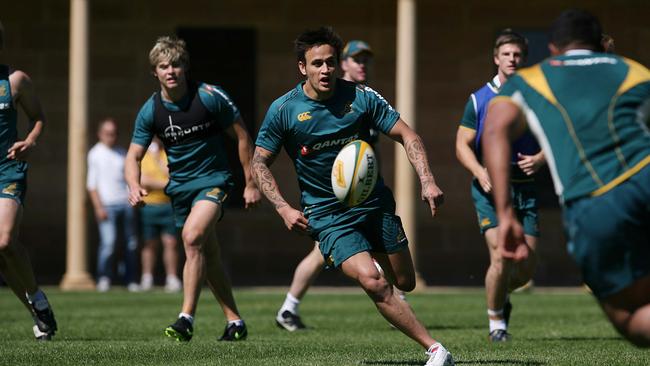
[227,57]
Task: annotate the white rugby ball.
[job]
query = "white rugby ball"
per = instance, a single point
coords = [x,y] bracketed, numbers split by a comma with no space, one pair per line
[354,173]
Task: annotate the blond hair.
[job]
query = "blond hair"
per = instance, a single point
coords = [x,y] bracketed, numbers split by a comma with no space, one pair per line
[169,49]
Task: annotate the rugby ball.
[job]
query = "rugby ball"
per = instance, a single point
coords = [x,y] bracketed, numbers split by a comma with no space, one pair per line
[354,173]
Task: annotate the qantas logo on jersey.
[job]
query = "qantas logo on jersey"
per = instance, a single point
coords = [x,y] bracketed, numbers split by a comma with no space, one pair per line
[304,116]
[306,150]
[584,61]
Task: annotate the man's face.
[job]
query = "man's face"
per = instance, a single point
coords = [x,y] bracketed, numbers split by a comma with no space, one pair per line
[319,68]
[107,133]
[356,67]
[170,74]
[508,59]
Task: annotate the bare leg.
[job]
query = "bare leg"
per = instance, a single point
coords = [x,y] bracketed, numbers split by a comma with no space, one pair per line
[148,255]
[170,254]
[14,284]
[524,271]
[629,312]
[18,267]
[200,221]
[496,278]
[361,268]
[218,279]
[306,272]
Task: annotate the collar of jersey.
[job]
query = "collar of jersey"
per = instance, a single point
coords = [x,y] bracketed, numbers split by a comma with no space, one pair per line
[578,52]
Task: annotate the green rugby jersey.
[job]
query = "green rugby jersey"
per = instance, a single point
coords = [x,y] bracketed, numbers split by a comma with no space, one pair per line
[8,119]
[192,132]
[313,132]
[589,112]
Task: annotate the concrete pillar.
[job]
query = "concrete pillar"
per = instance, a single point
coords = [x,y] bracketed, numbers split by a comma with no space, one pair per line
[406,191]
[76,276]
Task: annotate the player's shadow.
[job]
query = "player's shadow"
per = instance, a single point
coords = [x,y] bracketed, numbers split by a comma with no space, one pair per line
[579,339]
[453,327]
[387,362]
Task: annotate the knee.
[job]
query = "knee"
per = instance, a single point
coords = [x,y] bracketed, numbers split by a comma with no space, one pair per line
[376,286]
[405,283]
[192,239]
[5,242]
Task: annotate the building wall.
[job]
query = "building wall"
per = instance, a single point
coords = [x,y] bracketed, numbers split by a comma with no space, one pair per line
[454,58]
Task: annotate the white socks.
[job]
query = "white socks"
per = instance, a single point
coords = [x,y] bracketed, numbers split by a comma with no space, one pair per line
[291,304]
[237,322]
[189,317]
[497,324]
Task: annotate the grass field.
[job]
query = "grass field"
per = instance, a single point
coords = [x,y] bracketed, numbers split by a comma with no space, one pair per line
[120,328]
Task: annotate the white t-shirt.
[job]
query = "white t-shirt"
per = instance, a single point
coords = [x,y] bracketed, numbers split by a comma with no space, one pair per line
[106,174]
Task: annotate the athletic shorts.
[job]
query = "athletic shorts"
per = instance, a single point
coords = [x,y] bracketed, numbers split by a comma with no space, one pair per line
[184,200]
[609,235]
[524,201]
[380,231]
[156,219]
[13,181]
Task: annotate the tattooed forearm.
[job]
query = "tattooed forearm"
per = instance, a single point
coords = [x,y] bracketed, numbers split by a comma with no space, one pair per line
[417,155]
[265,180]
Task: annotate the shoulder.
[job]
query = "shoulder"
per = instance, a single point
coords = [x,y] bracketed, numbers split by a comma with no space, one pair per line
[213,91]
[146,111]
[285,102]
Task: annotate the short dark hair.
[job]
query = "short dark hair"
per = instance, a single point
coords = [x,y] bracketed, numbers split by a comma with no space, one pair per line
[576,26]
[317,37]
[508,36]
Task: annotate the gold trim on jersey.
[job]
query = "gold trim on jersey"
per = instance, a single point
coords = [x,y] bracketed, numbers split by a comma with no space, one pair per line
[636,75]
[621,178]
[535,78]
[467,128]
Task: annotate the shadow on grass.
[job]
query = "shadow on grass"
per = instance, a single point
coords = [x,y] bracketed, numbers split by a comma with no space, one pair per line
[454,327]
[476,362]
[387,362]
[500,362]
[579,339]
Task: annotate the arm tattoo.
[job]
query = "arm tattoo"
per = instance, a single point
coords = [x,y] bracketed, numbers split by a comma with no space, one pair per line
[417,155]
[265,180]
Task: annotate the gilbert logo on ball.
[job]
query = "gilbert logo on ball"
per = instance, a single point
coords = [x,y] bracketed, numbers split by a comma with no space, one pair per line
[354,173]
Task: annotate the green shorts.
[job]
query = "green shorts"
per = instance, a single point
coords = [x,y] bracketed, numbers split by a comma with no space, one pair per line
[13,181]
[524,200]
[609,235]
[184,200]
[155,220]
[379,231]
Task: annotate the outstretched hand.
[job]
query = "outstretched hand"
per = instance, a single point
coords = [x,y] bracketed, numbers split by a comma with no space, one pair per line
[294,220]
[511,240]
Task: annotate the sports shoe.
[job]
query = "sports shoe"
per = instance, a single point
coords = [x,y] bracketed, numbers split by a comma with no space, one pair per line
[181,330]
[499,335]
[41,336]
[133,287]
[234,332]
[289,321]
[173,284]
[146,282]
[104,284]
[439,356]
[43,319]
[507,310]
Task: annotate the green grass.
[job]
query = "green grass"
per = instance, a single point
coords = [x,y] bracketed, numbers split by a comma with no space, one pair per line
[119,328]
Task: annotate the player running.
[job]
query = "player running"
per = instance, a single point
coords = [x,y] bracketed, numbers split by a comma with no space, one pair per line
[191,119]
[510,50]
[313,121]
[589,110]
[17,90]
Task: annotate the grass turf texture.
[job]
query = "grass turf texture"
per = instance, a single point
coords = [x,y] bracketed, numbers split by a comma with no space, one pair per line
[120,328]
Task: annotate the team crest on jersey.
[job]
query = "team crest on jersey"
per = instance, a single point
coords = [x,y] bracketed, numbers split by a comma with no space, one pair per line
[304,116]
[214,193]
[3,90]
[11,189]
[485,222]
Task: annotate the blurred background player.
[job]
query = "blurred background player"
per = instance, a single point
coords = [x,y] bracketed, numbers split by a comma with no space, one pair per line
[366,240]
[590,111]
[17,90]
[108,193]
[510,50]
[191,119]
[157,220]
[356,59]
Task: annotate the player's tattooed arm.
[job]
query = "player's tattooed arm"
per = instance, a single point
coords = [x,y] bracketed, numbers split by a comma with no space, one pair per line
[264,179]
[417,155]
